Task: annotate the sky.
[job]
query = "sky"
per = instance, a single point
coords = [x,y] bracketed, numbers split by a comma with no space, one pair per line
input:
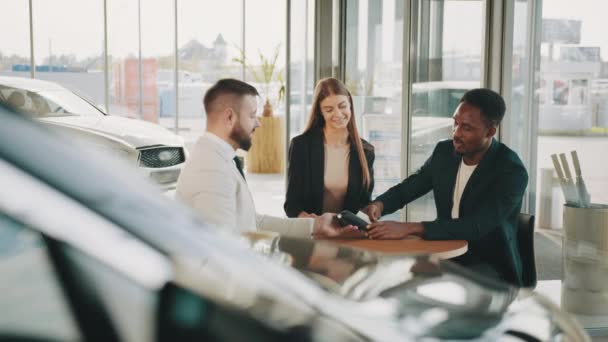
[76,26]
[79,29]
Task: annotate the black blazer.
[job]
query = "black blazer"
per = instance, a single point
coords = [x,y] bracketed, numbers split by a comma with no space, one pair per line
[305,176]
[489,207]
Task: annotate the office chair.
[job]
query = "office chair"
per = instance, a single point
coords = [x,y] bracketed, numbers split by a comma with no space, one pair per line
[525,243]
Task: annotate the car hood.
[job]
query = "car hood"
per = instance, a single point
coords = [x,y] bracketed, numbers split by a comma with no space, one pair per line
[136,133]
[437,299]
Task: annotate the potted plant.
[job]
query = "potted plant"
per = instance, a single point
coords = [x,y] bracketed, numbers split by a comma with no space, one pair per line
[265,73]
[267,152]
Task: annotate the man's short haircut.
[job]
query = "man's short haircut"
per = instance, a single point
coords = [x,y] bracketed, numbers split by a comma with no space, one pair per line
[490,104]
[227,86]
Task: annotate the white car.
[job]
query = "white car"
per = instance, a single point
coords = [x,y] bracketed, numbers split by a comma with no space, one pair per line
[154,150]
[81,260]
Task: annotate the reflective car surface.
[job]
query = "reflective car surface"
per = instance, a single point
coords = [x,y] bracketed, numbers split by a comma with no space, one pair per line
[130,264]
[154,150]
[430,298]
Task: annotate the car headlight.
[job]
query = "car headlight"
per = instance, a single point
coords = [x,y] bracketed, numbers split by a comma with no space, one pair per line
[165,156]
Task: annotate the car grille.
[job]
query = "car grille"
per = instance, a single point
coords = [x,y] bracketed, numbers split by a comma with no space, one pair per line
[161,157]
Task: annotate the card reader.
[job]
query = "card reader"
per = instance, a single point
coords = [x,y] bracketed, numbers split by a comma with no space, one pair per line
[346,217]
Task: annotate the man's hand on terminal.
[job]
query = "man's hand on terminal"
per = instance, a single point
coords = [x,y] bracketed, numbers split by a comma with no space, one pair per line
[393,229]
[374,210]
[326,226]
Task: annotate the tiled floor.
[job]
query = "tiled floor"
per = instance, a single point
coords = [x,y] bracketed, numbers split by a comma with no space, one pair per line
[548,253]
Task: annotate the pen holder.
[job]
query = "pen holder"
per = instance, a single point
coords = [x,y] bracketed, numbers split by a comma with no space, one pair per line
[585,260]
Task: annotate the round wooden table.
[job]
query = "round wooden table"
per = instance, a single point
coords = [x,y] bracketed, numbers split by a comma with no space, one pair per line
[442,249]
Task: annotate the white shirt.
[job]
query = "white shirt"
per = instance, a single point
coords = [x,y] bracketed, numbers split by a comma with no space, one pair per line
[462,178]
[211,184]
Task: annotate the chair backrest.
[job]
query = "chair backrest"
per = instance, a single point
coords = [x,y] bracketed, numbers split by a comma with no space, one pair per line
[525,242]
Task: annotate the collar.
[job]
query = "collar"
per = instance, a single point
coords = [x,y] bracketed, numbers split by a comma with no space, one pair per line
[490,153]
[464,165]
[226,150]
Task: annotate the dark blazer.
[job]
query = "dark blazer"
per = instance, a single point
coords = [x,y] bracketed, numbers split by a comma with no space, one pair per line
[305,176]
[489,205]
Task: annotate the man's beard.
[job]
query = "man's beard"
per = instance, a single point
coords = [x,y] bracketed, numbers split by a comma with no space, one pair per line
[462,146]
[241,137]
[468,150]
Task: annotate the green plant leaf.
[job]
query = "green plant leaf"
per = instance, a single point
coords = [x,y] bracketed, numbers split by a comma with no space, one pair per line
[265,72]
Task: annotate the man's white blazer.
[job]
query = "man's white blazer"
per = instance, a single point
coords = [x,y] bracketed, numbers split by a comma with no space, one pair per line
[212,185]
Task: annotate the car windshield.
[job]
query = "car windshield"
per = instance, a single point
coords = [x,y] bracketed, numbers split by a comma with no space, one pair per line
[70,103]
[47,103]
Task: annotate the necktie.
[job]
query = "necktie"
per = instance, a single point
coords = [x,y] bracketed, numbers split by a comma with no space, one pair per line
[239,165]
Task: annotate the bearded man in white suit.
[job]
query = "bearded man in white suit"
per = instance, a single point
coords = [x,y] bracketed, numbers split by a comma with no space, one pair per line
[212,181]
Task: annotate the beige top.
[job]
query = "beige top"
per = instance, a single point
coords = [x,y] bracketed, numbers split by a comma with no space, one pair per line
[335,177]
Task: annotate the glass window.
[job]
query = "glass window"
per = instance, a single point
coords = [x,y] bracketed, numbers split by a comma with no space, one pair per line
[141,43]
[158,60]
[265,44]
[374,44]
[15,38]
[75,61]
[517,129]
[572,101]
[265,33]
[448,63]
[32,301]
[208,36]
[569,109]
[301,68]
[123,58]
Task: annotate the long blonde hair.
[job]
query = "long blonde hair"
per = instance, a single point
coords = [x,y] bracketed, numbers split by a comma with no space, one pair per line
[331,86]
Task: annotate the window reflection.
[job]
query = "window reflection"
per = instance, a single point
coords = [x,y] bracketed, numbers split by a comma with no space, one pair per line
[446,292]
[33,303]
[449,62]
[374,43]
